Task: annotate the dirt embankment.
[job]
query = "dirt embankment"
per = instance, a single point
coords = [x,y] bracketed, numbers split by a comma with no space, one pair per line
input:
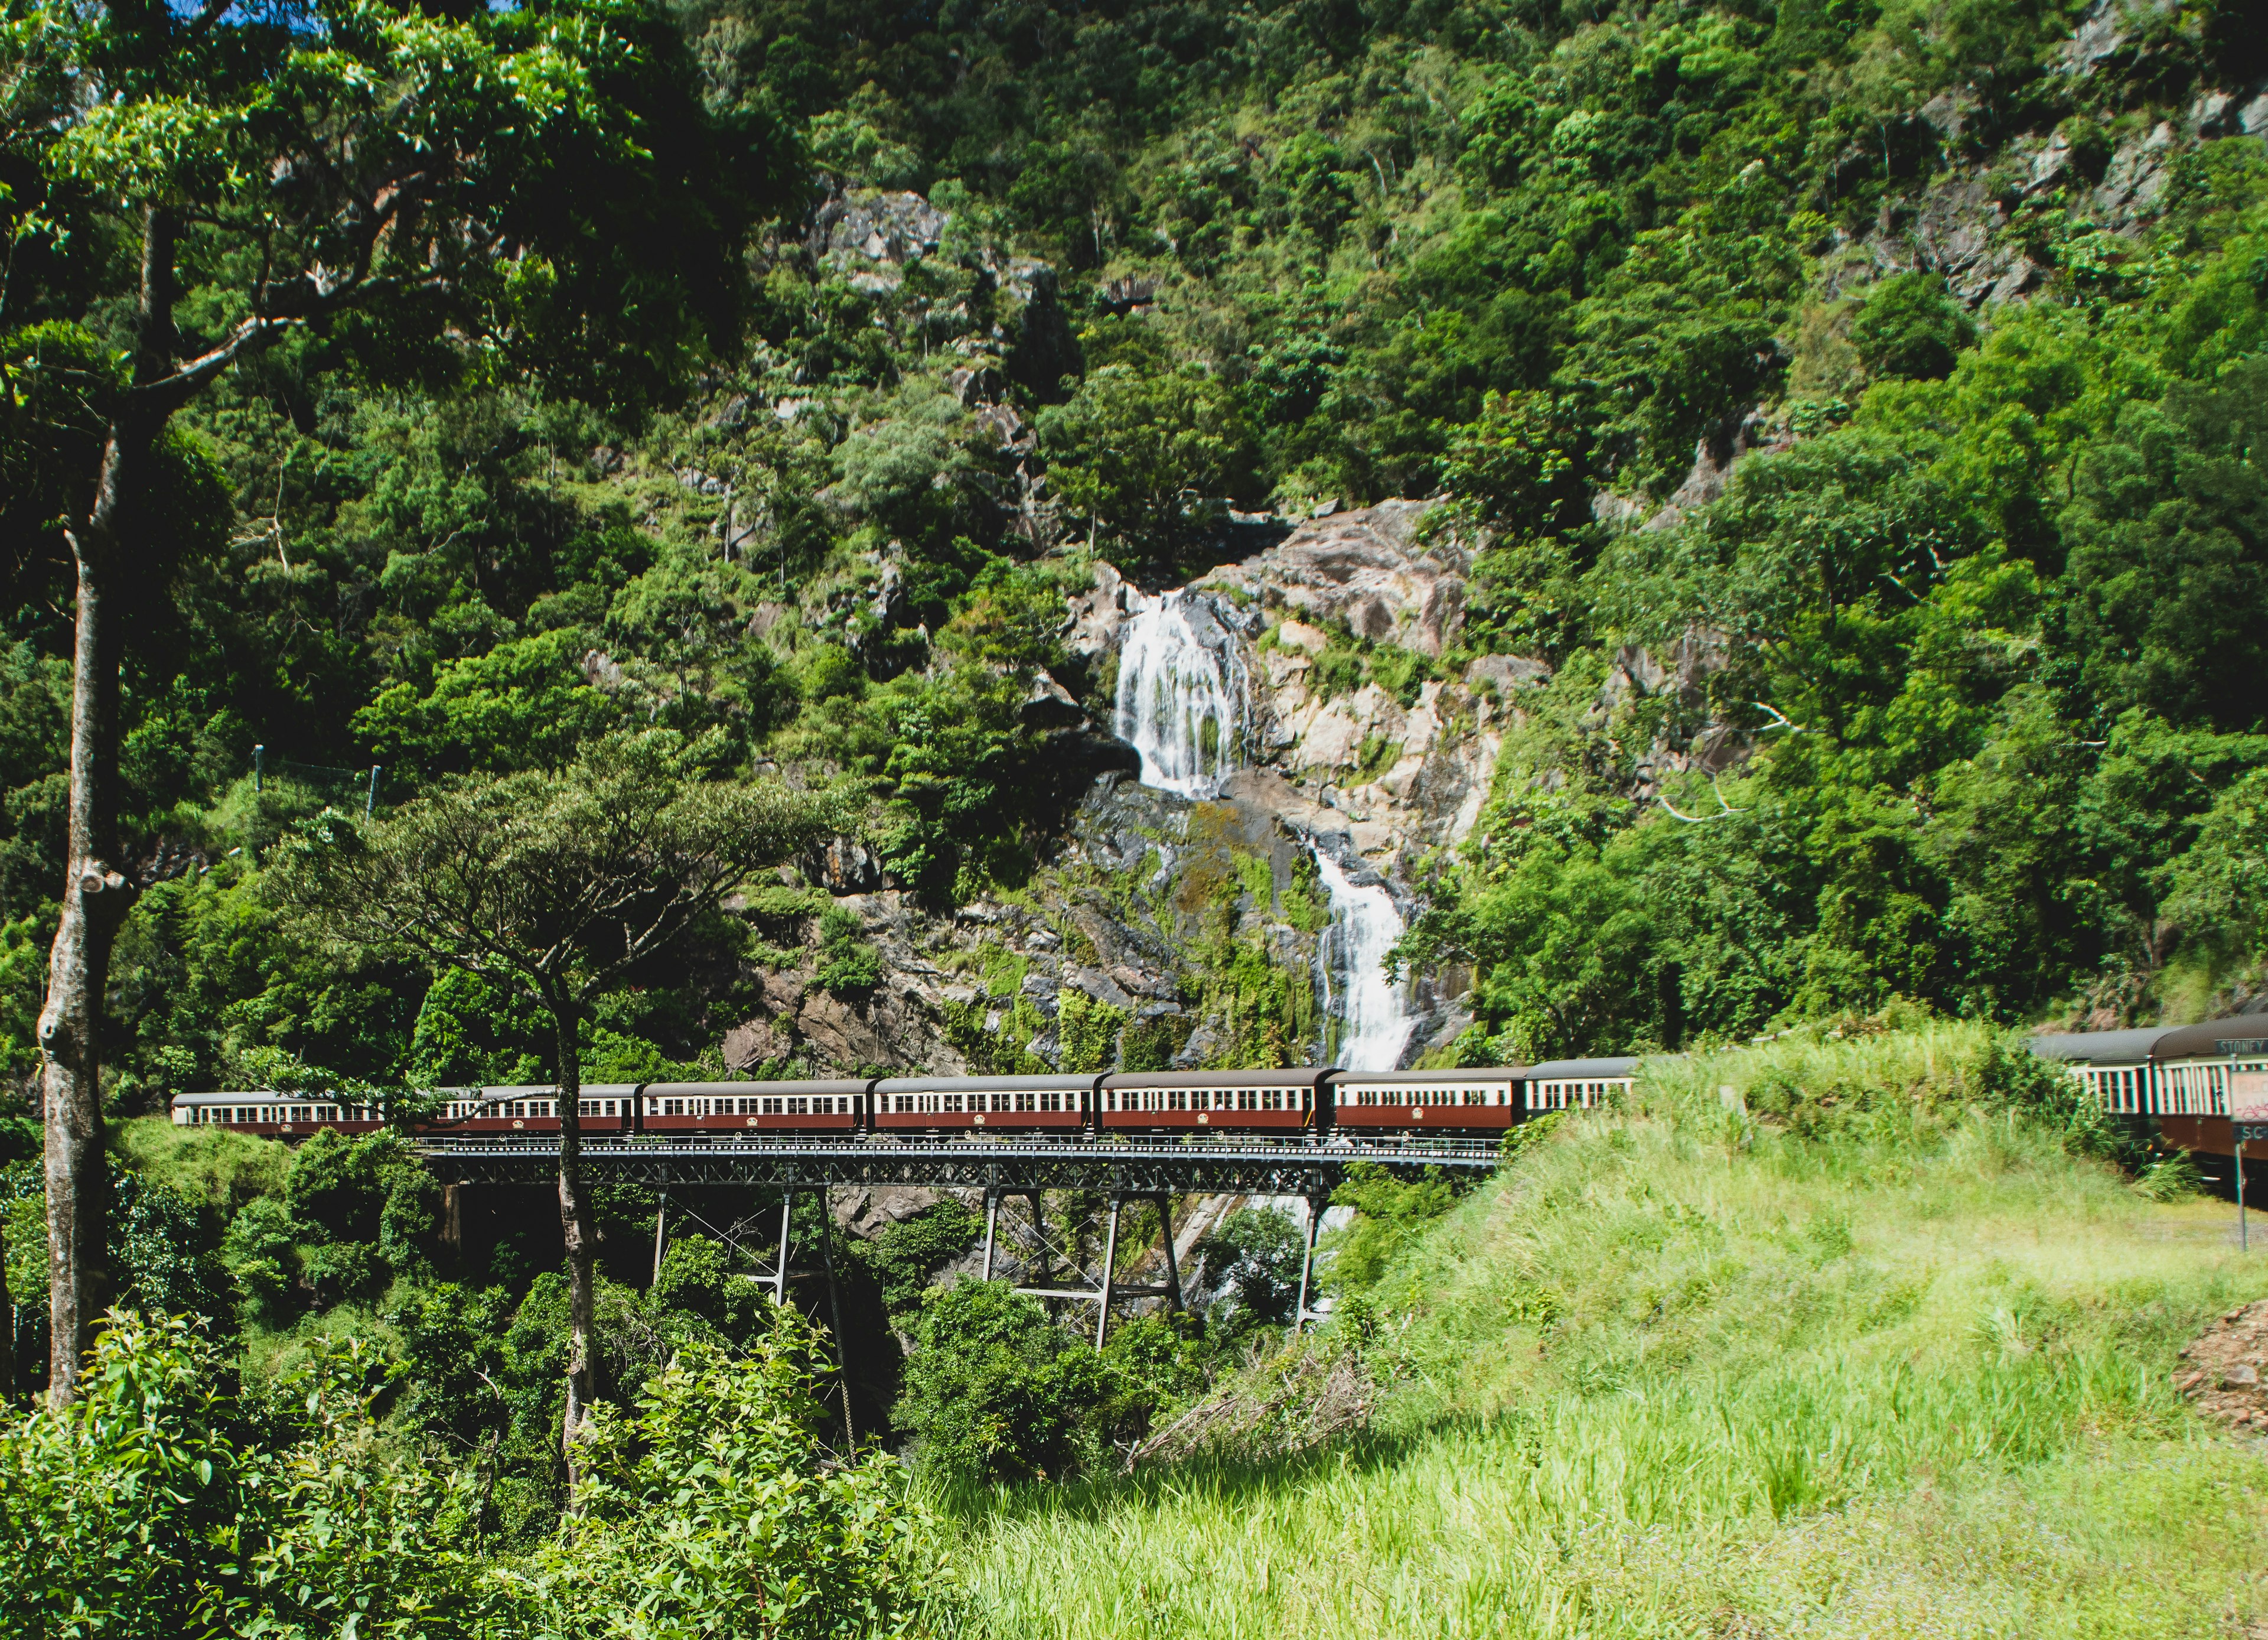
[2225,1367]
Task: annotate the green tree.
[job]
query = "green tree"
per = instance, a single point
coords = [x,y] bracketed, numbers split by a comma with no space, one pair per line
[717,1509]
[1909,326]
[2166,584]
[1252,1261]
[555,886]
[1153,458]
[427,194]
[994,1391]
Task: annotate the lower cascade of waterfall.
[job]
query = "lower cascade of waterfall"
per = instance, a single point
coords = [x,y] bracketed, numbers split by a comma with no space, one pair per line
[1364,927]
[1183,702]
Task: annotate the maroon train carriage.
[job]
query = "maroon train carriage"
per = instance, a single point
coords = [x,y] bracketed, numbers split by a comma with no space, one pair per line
[2172,1084]
[1578,1084]
[747,1108]
[1051,1104]
[1480,1101]
[1202,1101]
[274,1115]
[511,1112]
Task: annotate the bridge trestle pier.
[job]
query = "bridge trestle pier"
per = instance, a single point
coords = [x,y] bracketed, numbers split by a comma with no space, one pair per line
[1124,1170]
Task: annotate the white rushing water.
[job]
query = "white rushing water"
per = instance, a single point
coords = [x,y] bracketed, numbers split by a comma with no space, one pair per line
[1364,927]
[1182,702]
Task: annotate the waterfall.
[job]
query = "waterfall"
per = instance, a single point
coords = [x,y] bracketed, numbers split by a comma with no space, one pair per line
[1185,703]
[1364,927]
[1184,699]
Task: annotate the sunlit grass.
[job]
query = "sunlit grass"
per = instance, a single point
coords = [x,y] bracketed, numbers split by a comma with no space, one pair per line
[1681,1374]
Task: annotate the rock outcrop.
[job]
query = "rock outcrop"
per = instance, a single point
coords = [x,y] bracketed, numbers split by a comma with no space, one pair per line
[1366,570]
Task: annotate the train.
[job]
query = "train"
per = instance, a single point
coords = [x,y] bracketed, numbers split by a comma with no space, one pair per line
[1306,1099]
[2170,1082]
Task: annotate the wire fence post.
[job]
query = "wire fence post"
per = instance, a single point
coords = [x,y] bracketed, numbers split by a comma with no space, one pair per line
[370,798]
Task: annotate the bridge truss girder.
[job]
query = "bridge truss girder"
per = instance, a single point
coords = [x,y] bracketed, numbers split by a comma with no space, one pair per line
[1257,1168]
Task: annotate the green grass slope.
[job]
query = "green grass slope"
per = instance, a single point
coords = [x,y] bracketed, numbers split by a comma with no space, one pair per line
[1887,1361]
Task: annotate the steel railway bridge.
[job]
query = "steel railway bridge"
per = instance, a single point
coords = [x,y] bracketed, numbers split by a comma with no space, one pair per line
[1120,1169]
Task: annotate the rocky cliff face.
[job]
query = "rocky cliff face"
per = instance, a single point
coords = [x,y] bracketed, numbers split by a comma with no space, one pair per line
[1188,929]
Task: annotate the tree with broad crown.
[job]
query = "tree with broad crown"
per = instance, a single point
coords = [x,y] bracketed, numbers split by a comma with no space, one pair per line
[555,884]
[426,194]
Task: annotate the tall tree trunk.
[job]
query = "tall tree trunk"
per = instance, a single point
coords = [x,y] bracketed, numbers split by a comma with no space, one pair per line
[575,1230]
[96,898]
[97,893]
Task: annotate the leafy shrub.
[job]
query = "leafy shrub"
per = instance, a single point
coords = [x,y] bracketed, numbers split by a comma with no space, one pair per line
[1910,328]
[158,1505]
[1086,1032]
[1390,1212]
[903,1258]
[371,1195]
[260,1253]
[848,963]
[994,1391]
[1252,1261]
[716,1510]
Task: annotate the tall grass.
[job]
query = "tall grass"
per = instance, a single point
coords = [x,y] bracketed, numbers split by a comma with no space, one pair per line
[1687,1371]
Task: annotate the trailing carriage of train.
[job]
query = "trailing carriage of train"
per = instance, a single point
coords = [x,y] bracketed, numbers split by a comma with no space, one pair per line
[2175,1084]
[1302,1101]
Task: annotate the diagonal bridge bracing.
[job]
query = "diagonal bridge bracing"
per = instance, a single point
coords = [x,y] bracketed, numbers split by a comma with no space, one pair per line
[1120,1170]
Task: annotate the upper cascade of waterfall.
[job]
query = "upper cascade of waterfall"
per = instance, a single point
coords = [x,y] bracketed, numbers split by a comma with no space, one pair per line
[1364,925]
[1184,698]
